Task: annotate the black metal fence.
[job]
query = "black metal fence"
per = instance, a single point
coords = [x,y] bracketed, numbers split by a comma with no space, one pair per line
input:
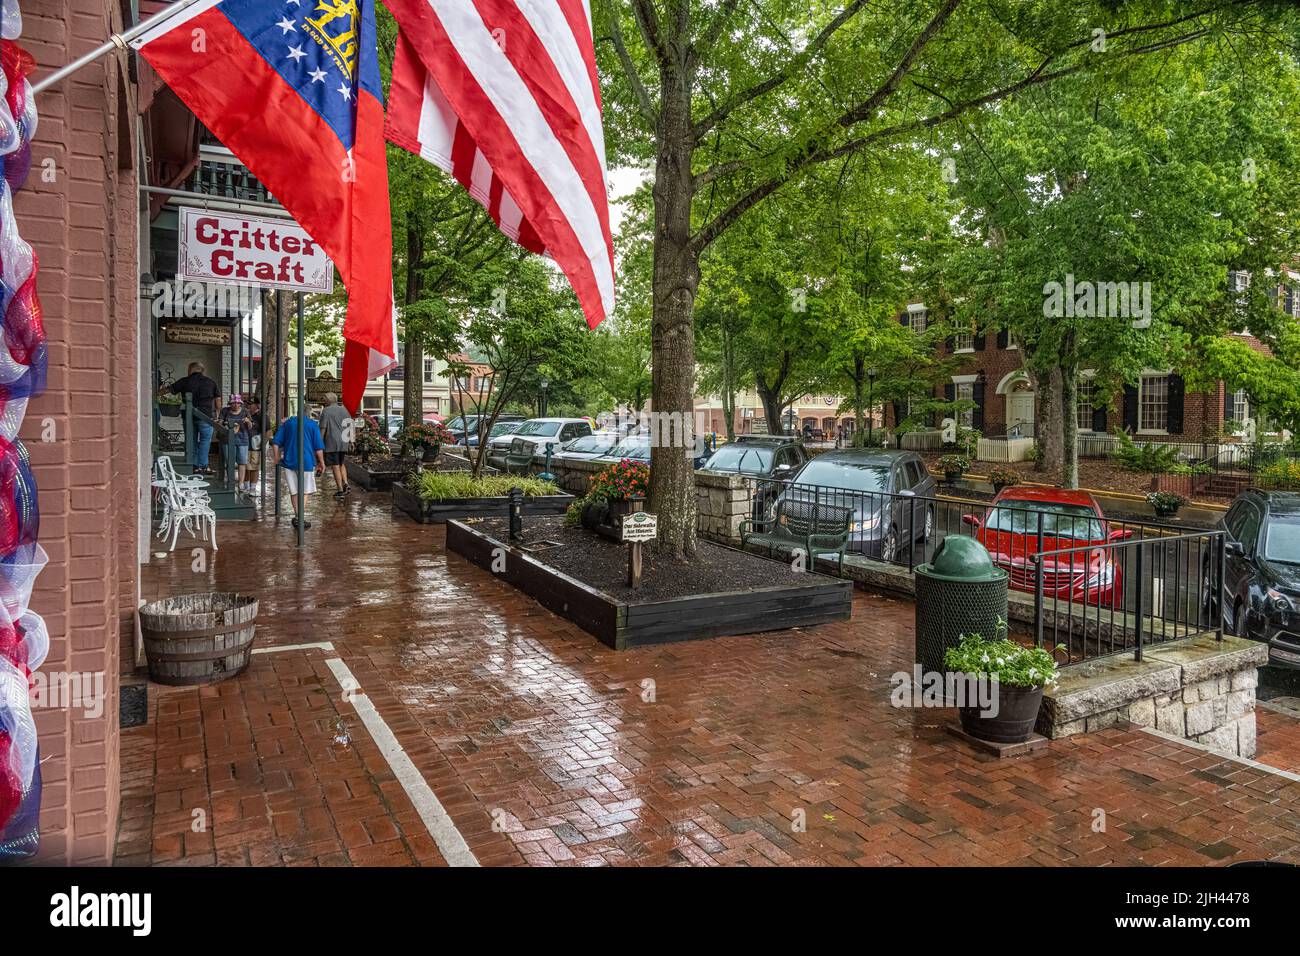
[1098,586]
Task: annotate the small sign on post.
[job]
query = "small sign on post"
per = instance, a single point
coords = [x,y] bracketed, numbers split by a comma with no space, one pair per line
[637,527]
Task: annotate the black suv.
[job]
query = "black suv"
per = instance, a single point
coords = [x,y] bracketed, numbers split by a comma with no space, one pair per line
[1261,587]
[759,456]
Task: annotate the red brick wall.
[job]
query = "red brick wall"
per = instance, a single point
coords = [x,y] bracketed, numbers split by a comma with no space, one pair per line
[82,225]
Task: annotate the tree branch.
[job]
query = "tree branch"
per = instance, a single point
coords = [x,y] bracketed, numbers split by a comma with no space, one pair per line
[815,155]
[792,66]
[644,103]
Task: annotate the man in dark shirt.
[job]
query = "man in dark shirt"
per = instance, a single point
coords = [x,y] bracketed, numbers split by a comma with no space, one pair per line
[204,395]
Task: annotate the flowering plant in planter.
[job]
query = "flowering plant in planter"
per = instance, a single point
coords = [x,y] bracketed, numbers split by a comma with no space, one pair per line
[1008,686]
[1000,657]
[953,465]
[622,480]
[1166,503]
[368,443]
[425,435]
[1003,478]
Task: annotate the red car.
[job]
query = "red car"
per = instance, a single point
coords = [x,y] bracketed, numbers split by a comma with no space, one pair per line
[1070,519]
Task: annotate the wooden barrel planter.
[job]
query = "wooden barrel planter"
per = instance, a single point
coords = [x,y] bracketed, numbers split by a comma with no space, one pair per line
[198,638]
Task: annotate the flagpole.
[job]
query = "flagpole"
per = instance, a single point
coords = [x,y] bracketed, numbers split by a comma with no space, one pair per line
[118,41]
[302,422]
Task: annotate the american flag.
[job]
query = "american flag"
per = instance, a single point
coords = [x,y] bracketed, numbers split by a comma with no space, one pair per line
[503,95]
[293,89]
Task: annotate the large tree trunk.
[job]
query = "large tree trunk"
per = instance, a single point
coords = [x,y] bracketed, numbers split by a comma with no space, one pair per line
[275,329]
[676,279]
[859,419]
[728,382]
[772,408]
[1050,428]
[413,362]
[1070,429]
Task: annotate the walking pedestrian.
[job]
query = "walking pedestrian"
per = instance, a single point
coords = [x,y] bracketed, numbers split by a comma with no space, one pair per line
[205,395]
[288,456]
[337,427]
[239,422]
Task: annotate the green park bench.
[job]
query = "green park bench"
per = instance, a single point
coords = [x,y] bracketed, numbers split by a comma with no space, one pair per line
[810,526]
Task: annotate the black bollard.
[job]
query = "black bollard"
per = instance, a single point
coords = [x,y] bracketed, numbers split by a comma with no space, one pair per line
[516,498]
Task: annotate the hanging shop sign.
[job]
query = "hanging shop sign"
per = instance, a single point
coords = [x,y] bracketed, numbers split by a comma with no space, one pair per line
[250,250]
[197,334]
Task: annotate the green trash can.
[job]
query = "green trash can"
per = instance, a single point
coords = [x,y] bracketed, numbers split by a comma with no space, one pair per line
[959,592]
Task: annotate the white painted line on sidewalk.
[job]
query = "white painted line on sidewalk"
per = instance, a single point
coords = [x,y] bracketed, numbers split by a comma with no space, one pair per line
[276,649]
[450,843]
[1255,764]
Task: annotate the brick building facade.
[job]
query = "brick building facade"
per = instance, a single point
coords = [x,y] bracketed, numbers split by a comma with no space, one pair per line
[988,370]
[80,213]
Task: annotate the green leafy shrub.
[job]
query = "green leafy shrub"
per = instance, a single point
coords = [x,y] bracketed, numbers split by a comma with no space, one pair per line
[573,514]
[1002,658]
[1148,457]
[1284,473]
[1185,469]
[442,485]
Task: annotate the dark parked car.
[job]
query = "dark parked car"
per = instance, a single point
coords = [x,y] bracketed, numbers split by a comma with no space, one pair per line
[580,449]
[889,492]
[461,424]
[1261,587]
[759,456]
[637,448]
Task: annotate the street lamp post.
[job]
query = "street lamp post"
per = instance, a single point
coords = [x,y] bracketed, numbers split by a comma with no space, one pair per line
[871,402]
[541,405]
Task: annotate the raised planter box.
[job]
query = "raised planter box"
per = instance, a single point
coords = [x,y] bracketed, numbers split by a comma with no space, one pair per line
[363,477]
[621,625]
[436,512]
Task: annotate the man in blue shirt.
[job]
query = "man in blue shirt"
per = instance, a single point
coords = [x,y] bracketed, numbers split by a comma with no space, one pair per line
[287,456]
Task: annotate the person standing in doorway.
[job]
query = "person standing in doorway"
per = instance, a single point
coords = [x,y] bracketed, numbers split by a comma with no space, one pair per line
[205,396]
[288,455]
[337,426]
[239,422]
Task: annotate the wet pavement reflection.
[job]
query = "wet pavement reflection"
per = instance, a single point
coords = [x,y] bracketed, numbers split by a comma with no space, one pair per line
[545,747]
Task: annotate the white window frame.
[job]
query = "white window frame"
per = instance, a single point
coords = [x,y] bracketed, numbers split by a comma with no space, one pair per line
[966,384]
[1143,386]
[963,342]
[1240,406]
[1086,387]
[430,369]
[918,318]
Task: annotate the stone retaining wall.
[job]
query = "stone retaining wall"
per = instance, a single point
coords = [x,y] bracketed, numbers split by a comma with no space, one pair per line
[1199,688]
[721,501]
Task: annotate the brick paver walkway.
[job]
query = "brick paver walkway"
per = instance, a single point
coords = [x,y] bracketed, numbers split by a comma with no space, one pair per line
[547,748]
[1279,739]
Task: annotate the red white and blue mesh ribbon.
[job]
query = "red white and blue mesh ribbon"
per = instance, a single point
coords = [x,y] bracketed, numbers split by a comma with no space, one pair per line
[24,642]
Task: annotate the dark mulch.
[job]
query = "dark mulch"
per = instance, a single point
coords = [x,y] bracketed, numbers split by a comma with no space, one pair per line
[386,466]
[602,564]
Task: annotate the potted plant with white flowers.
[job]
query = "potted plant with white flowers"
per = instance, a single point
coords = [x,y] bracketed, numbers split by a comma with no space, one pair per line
[1009,676]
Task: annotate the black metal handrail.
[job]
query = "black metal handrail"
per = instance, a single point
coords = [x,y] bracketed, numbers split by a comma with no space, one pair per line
[1094,615]
[1187,614]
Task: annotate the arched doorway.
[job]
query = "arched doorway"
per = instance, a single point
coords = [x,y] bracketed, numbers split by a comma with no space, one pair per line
[1021,403]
